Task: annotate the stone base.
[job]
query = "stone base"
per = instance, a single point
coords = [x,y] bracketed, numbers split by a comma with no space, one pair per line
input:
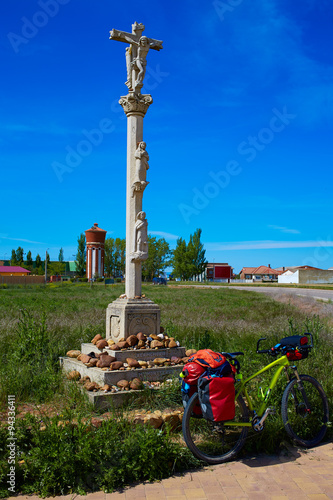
[125,317]
[102,377]
[105,401]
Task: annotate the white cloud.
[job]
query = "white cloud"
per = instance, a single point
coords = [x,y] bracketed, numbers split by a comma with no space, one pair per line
[20,239]
[267,244]
[167,236]
[284,229]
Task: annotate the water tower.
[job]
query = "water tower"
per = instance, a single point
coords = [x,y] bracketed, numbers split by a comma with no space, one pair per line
[95,239]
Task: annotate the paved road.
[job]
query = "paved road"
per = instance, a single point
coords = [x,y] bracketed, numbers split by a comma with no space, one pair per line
[295,475]
[325,295]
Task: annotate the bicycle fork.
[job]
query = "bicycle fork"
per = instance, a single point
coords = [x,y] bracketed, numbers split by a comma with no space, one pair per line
[302,391]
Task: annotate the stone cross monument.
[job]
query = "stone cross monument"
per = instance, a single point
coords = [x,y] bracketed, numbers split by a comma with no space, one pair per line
[131,313]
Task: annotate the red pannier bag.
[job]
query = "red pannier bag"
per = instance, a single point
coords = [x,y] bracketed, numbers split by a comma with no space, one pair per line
[190,376]
[217,397]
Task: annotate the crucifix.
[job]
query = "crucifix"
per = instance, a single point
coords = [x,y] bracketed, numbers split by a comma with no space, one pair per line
[136,54]
[132,313]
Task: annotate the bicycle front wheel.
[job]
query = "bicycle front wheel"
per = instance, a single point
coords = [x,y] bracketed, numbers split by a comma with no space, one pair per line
[305,411]
[214,442]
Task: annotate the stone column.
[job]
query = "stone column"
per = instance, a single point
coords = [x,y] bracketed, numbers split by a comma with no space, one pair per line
[135,107]
[132,314]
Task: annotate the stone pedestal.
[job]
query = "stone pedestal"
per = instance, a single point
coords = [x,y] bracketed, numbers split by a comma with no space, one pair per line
[125,317]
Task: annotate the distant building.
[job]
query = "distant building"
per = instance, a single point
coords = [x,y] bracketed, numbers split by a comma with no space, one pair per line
[307,275]
[261,273]
[295,268]
[13,271]
[218,271]
[95,239]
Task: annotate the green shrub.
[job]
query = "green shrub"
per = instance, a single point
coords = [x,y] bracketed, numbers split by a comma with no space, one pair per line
[76,457]
[30,367]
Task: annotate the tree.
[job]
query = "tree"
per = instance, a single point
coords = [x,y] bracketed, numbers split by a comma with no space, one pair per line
[197,253]
[19,256]
[189,259]
[56,268]
[114,256]
[81,255]
[29,259]
[109,256]
[159,255]
[39,266]
[120,256]
[61,255]
[38,261]
[13,260]
[179,260]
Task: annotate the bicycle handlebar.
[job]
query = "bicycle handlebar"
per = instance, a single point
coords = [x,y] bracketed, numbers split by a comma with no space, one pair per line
[263,351]
[273,351]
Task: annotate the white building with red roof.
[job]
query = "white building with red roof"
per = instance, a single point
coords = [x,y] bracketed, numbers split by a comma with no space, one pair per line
[261,273]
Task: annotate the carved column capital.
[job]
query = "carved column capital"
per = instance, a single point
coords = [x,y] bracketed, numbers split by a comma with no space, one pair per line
[136,104]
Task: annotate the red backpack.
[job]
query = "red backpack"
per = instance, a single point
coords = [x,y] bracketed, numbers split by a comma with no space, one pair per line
[208,358]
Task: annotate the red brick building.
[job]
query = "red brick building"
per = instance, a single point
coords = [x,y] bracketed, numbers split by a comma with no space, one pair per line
[218,271]
[95,240]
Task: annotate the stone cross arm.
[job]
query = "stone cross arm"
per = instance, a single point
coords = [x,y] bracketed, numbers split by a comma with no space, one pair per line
[122,36]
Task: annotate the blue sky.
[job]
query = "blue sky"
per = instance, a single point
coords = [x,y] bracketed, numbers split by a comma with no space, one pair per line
[239,134]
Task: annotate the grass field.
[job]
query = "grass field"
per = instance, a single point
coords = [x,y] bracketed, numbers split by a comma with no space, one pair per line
[38,325]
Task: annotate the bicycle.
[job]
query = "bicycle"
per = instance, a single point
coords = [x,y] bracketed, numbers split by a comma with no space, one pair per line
[304,407]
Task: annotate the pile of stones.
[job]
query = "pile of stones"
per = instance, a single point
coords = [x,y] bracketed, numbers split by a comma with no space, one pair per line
[135,384]
[107,362]
[124,356]
[138,341]
[123,385]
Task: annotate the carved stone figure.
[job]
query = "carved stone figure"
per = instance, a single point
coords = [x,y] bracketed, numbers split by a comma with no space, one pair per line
[141,167]
[140,238]
[136,54]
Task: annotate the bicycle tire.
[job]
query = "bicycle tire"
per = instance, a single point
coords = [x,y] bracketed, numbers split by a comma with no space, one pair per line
[306,428]
[204,438]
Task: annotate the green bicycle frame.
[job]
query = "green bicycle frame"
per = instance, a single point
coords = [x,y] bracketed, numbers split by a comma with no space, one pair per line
[281,363]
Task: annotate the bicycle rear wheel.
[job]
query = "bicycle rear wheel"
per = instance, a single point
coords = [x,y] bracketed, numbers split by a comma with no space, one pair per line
[305,411]
[214,442]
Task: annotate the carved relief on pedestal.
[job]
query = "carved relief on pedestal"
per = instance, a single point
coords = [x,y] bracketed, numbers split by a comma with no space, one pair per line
[141,167]
[134,103]
[115,326]
[140,251]
[145,323]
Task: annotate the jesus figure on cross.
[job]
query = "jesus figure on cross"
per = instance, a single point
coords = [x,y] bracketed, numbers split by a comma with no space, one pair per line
[139,63]
[136,54]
